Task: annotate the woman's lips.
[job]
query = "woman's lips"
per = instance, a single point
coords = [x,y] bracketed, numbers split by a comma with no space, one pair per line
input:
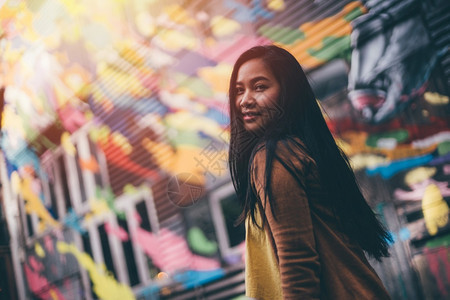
[250,116]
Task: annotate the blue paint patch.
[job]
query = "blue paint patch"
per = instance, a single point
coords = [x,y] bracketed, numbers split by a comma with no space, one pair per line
[440,160]
[245,14]
[125,119]
[259,10]
[242,13]
[150,292]
[10,168]
[404,234]
[20,156]
[387,171]
[192,278]
[217,116]
[392,238]
[139,106]
[51,211]
[72,220]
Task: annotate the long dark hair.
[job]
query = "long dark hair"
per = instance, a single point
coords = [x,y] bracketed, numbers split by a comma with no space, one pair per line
[300,117]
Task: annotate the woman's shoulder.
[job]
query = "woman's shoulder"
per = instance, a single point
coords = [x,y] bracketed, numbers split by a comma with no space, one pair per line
[288,148]
[290,158]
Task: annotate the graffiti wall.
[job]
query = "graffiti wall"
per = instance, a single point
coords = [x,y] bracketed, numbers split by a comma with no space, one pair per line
[393,122]
[115,132]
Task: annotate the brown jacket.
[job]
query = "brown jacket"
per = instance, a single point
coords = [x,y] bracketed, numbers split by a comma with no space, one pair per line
[315,259]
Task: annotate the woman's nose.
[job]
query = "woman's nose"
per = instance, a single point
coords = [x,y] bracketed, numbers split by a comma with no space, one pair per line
[246,100]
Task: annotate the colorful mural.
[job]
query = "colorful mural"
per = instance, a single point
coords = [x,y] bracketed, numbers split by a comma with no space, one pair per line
[107,104]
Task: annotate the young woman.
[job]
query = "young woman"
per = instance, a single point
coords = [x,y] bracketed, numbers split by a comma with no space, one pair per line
[307,222]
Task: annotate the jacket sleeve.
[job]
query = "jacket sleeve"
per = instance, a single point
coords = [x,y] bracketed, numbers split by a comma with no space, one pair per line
[291,228]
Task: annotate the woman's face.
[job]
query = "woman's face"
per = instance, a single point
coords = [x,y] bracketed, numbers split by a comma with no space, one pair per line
[257,94]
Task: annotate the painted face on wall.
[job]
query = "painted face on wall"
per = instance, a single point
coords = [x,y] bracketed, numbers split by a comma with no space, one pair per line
[257,94]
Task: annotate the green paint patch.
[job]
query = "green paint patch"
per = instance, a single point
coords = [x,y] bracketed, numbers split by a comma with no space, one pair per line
[280,34]
[332,47]
[443,148]
[35,5]
[189,138]
[439,242]
[194,84]
[199,243]
[353,14]
[108,196]
[399,135]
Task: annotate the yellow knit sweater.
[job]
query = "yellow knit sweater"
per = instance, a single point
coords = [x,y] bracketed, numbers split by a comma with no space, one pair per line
[260,261]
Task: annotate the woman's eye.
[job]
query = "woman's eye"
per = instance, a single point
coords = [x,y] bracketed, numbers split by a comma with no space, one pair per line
[239,91]
[260,87]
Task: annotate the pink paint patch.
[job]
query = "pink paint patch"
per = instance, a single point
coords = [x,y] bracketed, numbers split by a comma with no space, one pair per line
[418,190]
[34,264]
[48,244]
[138,217]
[35,281]
[70,288]
[170,252]
[446,169]
[201,263]
[38,283]
[119,232]
[363,98]
[439,263]
[71,118]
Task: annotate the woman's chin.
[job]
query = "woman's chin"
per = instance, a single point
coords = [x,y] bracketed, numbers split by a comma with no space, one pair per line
[254,128]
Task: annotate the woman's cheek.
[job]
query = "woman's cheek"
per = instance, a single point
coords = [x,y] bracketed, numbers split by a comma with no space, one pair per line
[237,103]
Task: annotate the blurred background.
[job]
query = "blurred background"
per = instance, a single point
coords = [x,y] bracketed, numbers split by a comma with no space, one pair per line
[114,137]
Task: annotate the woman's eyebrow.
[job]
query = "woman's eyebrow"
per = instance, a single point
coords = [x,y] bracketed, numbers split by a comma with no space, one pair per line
[253,80]
[258,78]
